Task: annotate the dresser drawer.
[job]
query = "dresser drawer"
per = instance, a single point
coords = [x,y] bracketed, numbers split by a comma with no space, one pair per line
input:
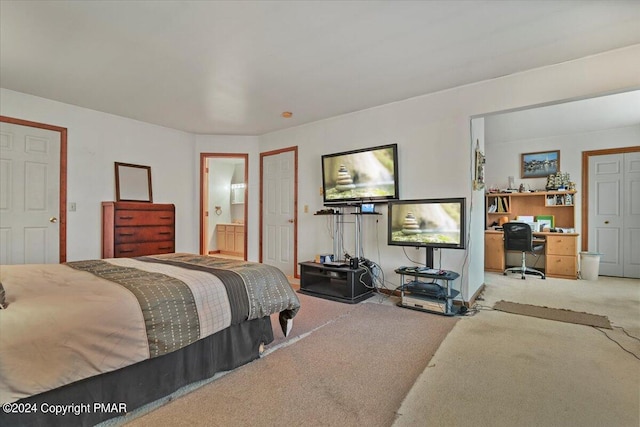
[141,249]
[562,266]
[562,245]
[134,217]
[143,234]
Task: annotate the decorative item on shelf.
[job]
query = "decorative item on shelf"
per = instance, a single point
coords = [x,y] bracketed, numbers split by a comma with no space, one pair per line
[551,182]
[493,189]
[521,189]
[410,224]
[559,181]
[344,181]
[572,186]
[568,200]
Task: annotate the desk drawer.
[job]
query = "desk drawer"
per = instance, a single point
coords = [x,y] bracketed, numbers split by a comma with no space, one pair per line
[562,245]
[562,266]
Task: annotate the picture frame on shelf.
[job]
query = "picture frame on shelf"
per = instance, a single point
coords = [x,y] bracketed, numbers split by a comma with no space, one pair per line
[539,164]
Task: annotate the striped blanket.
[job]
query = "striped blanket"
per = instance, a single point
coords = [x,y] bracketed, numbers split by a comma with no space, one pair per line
[67,322]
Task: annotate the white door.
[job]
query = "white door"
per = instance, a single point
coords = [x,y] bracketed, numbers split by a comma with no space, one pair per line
[278,211]
[614,213]
[29,195]
[631,245]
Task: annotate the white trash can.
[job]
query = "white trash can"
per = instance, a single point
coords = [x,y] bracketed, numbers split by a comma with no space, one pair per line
[589,265]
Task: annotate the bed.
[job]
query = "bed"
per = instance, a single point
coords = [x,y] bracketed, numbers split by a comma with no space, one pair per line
[85,341]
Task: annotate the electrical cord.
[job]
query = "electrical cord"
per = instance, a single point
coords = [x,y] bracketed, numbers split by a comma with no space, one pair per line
[627,333]
[619,345]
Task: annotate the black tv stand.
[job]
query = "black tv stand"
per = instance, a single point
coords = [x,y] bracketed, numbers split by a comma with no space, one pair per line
[341,284]
[431,296]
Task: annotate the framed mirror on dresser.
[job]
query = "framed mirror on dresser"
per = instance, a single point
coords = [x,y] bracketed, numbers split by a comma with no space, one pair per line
[133,183]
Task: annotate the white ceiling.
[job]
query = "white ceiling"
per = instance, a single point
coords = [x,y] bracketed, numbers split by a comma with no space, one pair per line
[232,67]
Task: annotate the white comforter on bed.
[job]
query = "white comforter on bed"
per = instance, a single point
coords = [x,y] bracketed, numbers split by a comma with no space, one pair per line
[63,324]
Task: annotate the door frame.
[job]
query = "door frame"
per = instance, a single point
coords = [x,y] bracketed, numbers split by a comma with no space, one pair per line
[62,229]
[585,185]
[295,204]
[204,194]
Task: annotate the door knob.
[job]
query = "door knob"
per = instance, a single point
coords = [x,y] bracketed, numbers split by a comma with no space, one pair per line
[291,221]
[606,222]
[53,219]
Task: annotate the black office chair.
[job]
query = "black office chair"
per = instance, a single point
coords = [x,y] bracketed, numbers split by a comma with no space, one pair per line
[519,237]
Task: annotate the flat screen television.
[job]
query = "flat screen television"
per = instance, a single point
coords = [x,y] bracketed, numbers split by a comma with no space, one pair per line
[428,223]
[368,175]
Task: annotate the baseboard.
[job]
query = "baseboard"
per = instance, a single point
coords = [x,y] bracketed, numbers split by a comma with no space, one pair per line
[475,296]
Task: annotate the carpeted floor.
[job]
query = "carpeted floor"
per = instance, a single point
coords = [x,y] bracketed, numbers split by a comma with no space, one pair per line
[345,365]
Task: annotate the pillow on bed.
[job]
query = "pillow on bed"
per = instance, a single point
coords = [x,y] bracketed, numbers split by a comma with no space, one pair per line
[3,303]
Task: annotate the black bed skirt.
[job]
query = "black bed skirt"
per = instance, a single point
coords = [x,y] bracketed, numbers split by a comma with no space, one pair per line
[147,381]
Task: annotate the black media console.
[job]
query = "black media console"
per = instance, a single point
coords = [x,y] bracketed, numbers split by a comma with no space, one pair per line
[342,284]
[435,295]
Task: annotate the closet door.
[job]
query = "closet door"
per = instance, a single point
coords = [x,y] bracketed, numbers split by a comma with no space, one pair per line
[614,213]
[631,210]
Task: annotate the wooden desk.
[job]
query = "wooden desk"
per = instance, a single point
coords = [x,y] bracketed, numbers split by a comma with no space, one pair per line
[560,253]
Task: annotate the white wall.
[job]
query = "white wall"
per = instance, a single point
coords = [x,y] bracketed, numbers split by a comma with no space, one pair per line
[95,141]
[434,141]
[432,132]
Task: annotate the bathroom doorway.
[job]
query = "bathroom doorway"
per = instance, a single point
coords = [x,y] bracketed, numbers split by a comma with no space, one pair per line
[223,207]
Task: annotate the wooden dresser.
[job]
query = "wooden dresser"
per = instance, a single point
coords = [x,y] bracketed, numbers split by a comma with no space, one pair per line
[131,229]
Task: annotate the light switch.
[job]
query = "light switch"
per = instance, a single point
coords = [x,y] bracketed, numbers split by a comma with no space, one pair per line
[72,206]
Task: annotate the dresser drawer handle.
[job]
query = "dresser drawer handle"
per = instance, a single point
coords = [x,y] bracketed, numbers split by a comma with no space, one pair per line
[124,251]
[165,247]
[126,217]
[165,217]
[125,234]
[164,232]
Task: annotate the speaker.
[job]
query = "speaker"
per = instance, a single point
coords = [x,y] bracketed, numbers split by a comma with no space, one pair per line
[353,263]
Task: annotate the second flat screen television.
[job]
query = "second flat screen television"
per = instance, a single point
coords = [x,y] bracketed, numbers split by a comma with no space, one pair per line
[428,223]
[367,175]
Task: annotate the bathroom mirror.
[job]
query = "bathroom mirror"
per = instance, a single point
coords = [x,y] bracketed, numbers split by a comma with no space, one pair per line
[133,183]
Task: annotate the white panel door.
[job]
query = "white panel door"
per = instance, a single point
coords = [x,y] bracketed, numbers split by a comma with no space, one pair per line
[631,245]
[29,195]
[278,187]
[614,213]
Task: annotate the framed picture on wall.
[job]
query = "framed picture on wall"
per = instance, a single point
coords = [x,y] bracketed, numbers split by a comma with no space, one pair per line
[540,164]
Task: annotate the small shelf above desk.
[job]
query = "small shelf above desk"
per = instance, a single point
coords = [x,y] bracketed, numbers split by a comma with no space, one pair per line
[536,203]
